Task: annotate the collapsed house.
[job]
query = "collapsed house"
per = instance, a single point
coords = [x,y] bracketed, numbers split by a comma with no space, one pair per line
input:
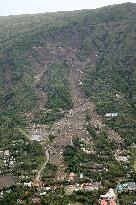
[109,198]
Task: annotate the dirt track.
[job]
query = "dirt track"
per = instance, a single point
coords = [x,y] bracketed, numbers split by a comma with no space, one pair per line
[39,174]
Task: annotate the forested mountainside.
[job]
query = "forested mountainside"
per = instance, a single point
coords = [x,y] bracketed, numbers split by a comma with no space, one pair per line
[68,105]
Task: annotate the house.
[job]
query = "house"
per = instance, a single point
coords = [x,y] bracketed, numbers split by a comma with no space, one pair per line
[11,163]
[81,175]
[122,158]
[80,83]
[131,186]
[1,153]
[109,196]
[91,186]
[6,153]
[70,189]
[20,201]
[112,202]
[1,194]
[77,187]
[103,202]
[87,151]
[36,200]
[28,184]
[111,114]
[47,188]
[71,176]
[42,193]
[126,187]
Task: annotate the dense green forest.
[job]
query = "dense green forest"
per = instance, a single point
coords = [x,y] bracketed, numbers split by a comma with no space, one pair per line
[36,54]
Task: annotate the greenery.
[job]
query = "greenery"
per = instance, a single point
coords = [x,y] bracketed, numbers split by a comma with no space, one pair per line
[48,116]
[36,55]
[94,166]
[112,77]
[49,172]
[28,156]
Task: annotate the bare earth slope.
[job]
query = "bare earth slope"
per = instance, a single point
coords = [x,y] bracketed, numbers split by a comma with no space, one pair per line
[73,123]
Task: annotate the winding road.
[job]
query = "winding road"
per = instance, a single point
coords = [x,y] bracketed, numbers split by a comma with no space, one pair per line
[39,174]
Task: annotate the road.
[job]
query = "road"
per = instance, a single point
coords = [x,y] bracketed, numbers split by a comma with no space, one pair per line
[39,174]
